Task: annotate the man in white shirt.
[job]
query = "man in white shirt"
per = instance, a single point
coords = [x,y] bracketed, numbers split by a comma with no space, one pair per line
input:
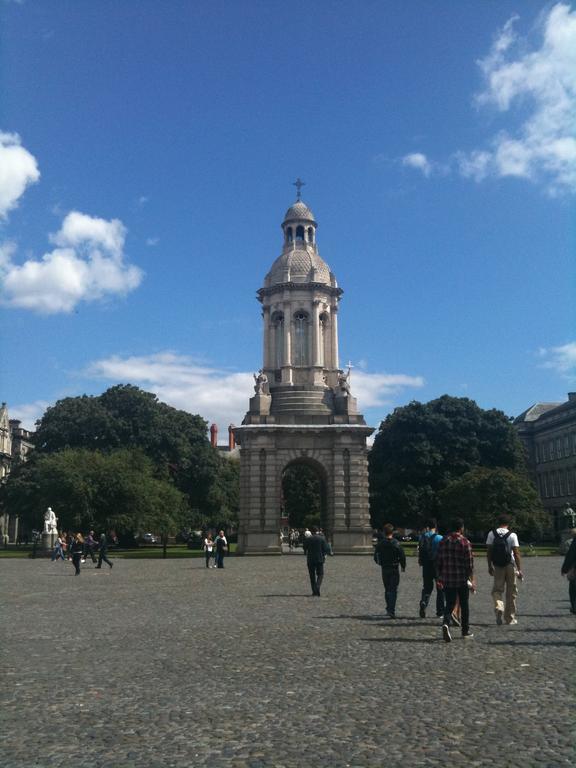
[503,555]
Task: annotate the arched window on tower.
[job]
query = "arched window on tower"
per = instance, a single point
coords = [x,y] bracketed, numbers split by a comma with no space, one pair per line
[301,355]
[289,235]
[278,336]
[324,339]
[310,234]
[300,232]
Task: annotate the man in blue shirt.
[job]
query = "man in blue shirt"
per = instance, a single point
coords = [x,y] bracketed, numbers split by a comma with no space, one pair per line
[427,553]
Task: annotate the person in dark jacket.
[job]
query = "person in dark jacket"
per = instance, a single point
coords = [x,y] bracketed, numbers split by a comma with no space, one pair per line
[103,551]
[316,548]
[568,569]
[77,550]
[390,557]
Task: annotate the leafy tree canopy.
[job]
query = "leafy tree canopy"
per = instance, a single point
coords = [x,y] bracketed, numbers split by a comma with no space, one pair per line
[91,489]
[482,494]
[421,448]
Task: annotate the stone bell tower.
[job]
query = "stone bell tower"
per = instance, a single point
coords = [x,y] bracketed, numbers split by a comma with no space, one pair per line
[303,410]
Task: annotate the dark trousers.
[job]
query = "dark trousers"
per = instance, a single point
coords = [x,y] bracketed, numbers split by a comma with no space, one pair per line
[316,572]
[572,594]
[76,561]
[220,558]
[103,555]
[391,580]
[451,594]
[208,558]
[90,553]
[428,582]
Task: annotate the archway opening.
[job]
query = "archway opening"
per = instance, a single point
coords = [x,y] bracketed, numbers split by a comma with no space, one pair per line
[304,497]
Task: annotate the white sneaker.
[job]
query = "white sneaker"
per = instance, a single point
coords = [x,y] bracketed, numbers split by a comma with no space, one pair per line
[446,633]
[512,621]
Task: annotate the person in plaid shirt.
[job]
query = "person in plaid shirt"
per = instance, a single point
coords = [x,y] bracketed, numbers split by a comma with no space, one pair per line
[455,572]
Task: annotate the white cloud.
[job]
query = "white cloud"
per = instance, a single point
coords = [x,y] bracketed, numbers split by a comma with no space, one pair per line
[561,359]
[18,169]
[152,241]
[419,162]
[379,389]
[87,265]
[29,413]
[221,396]
[541,84]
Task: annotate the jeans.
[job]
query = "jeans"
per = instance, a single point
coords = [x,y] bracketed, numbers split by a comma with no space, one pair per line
[76,561]
[208,558]
[391,580]
[428,579]
[572,594]
[452,594]
[316,573]
[219,559]
[505,579]
[103,555]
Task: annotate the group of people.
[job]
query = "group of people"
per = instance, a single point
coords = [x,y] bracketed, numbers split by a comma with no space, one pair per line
[215,549]
[78,548]
[447,565]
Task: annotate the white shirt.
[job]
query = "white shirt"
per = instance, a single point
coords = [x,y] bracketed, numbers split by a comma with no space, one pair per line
[511,541]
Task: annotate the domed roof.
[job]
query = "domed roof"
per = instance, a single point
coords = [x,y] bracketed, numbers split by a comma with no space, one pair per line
[300,265]
[299,211]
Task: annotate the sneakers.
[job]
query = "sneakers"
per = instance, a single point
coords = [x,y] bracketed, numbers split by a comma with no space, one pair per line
[512,621]
[499,618]
[467,635]
[422,611]
[446,633]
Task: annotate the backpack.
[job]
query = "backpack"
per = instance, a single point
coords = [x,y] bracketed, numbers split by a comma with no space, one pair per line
[426,549]
[501,554]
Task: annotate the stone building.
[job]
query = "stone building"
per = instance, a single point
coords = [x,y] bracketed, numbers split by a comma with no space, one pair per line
[548,432]
[303,410]
[15,445]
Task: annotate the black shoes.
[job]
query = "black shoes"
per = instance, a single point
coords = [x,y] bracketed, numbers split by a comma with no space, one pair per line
[446,633]
[422,611]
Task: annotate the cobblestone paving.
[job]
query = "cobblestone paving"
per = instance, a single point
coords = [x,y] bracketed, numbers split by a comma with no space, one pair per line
[165,663]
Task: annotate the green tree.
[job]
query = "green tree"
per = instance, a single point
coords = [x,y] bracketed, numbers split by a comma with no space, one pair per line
[127,417]
[421,448]
[91,489]
[480,495]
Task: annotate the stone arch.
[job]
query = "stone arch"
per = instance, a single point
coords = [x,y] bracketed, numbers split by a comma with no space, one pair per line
[307,459]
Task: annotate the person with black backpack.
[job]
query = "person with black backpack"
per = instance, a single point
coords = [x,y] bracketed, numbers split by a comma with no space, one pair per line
[504,564]
[427,551]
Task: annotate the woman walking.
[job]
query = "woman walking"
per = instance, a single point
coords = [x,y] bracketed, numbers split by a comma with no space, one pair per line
[209,550]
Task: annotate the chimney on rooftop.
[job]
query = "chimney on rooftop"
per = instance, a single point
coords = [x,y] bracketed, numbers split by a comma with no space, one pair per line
[213,435]
[231,438]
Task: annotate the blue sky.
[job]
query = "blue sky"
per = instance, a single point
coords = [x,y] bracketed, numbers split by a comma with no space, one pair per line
[147,151]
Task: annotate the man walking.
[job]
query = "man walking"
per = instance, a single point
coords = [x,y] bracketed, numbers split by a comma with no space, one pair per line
[503,555]
[90,546]
[221,549]
[315,548]
[390,557]
[427,555]
[455,575]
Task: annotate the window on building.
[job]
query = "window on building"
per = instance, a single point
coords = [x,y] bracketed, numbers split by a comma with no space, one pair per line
[310,235]
[324,338]
[301,345]
[299,233]
[558,448]
[570,478]
[561,483]
[278,331]
[289,234]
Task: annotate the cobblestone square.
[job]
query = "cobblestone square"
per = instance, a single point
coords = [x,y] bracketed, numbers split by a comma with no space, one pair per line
[165,663]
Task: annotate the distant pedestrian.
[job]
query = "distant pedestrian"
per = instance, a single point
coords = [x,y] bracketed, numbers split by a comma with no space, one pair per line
[209,550]
[503,555]
[77,551]
[390,556]
[455,575]
[221,549]
[315,548]
[427,556]
[103,551]
[59,548]
[90,546]
[569,570]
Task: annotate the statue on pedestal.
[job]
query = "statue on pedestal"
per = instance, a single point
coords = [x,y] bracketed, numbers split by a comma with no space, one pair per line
[50,521]
[260,383]
[344,383]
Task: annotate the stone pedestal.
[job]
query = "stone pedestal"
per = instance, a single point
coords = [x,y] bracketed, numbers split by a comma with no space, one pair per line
[48,541]
[260,404]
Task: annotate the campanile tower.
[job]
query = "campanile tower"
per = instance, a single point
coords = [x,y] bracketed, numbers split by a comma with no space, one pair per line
[303,410]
